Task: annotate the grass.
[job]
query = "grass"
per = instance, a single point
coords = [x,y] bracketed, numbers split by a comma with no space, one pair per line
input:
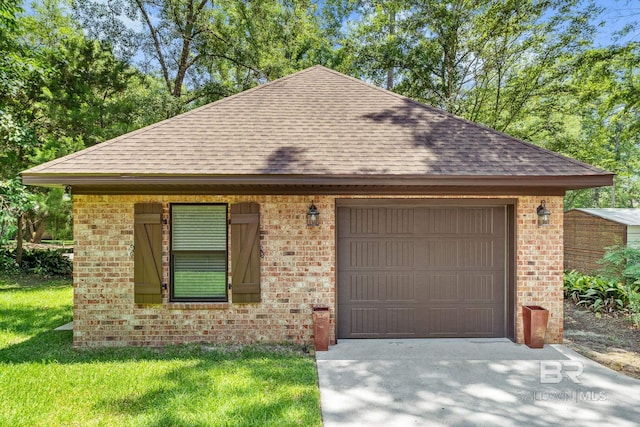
[45,382]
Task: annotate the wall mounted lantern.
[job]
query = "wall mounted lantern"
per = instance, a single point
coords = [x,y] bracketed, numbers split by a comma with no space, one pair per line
[313,216]
[543,214]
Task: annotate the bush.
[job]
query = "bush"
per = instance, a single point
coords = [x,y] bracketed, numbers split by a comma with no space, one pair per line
[633,293]
[8,263]
[622,263]
[596,293]
[43,262]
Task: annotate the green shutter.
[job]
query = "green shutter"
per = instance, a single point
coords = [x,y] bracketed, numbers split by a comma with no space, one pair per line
[245,252]
[147,235]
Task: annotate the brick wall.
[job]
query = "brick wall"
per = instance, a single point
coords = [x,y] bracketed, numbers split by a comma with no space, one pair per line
[539,264]
[298,271]
[586,237]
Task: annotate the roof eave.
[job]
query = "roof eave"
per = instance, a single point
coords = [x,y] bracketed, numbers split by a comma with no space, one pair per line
[284,184]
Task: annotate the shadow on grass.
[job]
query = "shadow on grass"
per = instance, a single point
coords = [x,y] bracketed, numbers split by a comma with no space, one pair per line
[32,282]
[253,385]
[58,346]
[28,320]
[186,385]
[265,396]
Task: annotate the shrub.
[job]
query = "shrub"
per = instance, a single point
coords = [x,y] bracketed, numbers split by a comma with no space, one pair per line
[621,263]
[43,262]
[596,293]
[8,263]
[633,292]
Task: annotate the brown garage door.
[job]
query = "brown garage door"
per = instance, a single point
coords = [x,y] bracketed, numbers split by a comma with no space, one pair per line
[421,271]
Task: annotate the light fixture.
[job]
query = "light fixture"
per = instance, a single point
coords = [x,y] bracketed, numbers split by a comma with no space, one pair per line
[313,216]
[543,214]
[67,194]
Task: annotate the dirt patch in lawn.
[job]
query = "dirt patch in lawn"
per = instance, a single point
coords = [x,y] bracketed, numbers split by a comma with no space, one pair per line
[611,340]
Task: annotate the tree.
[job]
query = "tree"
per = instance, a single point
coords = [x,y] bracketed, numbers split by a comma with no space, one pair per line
[86,94]
[10,58]
[484,60]
[64,92]
[15,200]
[204,50]
[17,143]
[20,70]
[607,88]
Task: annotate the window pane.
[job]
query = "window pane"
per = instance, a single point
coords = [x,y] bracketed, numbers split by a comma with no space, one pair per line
[199,275]
[199,227]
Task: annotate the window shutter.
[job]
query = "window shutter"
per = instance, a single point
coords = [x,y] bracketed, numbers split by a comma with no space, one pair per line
[147,235]
[245,252]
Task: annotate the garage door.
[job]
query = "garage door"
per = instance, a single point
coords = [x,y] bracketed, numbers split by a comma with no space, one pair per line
[421,271]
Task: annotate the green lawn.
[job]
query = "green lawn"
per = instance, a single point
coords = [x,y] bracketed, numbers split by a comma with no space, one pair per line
[45,382]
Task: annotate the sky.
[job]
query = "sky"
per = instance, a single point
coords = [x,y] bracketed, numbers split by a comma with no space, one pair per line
[617,14]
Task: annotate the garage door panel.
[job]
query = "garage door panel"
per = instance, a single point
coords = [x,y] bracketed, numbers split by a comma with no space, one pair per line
[400,321]
[481,288]
[399,253]
[364,254]
[438,221]
[399,221]
[428,272]
[400,287]
[440,253]
[477,254]
[365,288]
[440,288]
[365,322]
[477,221]
[478,321]
[362,221]
[391,254]
[483,254]
[442,321]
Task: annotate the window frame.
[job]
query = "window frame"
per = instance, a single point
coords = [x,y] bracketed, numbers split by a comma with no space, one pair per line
[172,297]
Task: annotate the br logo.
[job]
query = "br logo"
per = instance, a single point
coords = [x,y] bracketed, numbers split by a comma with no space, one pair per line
[554,371]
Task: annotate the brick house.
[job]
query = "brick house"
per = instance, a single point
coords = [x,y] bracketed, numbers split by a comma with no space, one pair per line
[195,229]
[588,232]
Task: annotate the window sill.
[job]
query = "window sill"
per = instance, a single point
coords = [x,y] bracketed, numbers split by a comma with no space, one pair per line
[197,305]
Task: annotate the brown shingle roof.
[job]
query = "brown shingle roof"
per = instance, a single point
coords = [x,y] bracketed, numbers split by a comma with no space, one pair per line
[315,123]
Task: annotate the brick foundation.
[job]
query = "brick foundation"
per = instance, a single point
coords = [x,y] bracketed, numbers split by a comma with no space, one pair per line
[297,272]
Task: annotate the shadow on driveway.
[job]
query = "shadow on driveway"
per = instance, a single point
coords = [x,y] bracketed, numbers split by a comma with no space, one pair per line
[470,382]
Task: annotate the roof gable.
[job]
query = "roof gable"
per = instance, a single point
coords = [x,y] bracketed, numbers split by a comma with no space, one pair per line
[315,123]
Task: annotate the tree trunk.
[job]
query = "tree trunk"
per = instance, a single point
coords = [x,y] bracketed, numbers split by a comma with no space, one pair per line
[392,31]
[37,235]
[613,187]
[19,241]
[30,229]
[613,193]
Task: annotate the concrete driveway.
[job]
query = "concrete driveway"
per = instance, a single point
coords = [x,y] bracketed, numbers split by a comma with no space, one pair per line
[470,382]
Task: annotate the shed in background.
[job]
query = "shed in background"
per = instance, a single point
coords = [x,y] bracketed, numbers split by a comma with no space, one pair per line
[588,232]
